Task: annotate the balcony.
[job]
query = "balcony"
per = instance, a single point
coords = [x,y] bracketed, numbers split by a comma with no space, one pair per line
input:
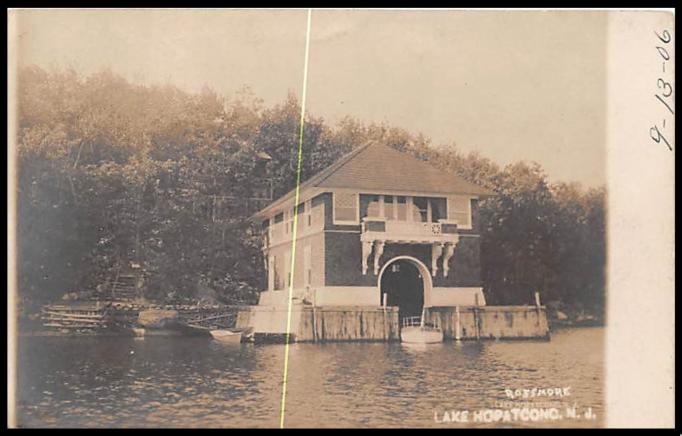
[408,232]
[377,232]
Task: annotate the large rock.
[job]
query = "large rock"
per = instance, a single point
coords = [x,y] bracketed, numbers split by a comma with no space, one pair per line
[158,319]
[561,316]
[70,296]
[206,295]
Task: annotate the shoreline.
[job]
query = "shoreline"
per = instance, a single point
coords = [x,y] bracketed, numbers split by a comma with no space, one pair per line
[48,333]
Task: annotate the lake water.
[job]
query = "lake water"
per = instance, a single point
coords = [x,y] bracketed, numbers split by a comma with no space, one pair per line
[196,382]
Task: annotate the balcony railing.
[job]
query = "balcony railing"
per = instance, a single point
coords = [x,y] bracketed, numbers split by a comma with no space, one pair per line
[408,231]
[416,321]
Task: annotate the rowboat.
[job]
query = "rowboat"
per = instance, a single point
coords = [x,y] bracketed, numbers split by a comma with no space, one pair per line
[416,331]
[176,329]
[227,336]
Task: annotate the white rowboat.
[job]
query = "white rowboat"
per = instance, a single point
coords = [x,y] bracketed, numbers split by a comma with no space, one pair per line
[416,331]
[421,335]
[227,336]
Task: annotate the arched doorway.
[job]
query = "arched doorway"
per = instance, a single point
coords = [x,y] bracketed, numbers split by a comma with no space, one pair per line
[405,282]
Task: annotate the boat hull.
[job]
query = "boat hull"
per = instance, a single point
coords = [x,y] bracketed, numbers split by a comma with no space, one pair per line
[420,335]
[227,336]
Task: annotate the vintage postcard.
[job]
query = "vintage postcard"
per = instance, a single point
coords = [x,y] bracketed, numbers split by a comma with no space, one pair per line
[358,218]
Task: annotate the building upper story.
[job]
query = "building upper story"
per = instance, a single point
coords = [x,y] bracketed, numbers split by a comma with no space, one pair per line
[386,195]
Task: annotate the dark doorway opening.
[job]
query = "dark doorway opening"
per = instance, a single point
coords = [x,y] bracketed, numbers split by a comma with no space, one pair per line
[403,286]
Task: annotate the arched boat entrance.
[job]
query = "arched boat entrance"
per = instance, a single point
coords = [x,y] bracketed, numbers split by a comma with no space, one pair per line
[405,282]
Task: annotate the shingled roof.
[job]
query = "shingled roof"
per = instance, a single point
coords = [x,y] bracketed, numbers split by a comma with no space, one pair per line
[375,167]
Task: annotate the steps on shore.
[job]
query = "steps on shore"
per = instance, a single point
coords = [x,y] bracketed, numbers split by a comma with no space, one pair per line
[125,288]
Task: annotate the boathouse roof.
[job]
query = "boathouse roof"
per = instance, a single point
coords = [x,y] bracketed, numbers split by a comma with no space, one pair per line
[379,168]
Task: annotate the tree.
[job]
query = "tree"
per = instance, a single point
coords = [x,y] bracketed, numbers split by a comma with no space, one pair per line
[111,172]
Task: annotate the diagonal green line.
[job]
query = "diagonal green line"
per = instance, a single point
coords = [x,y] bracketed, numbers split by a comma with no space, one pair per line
[290,278]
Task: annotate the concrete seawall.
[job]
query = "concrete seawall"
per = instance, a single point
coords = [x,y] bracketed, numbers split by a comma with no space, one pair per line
[323,324]
[358,323]
[492,322]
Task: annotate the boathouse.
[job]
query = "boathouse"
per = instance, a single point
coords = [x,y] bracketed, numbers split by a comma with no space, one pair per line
[380,235]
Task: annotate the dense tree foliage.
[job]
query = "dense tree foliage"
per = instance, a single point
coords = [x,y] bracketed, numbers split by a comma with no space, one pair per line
[111,171]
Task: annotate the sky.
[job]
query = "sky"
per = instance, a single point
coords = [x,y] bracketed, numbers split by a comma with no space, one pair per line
[510,85]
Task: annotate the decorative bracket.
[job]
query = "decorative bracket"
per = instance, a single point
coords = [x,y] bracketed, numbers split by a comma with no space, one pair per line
[449,251]
[266,258]
[436,251]
[366,251]
[377,255]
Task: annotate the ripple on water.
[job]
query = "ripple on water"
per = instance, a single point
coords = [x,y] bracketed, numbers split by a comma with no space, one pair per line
[195,382]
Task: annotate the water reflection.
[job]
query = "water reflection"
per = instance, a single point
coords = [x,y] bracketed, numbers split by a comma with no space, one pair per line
[198,382]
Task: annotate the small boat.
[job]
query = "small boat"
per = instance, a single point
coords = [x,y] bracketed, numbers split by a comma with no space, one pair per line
[416,331]
[145,332]
[227,336]
[178,329]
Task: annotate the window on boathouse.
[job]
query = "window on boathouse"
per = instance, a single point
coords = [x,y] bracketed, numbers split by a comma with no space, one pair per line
[402,208]
[345,208]
[459,209]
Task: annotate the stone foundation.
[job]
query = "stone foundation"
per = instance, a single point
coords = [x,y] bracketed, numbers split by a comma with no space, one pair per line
[323,324]
[492,322]
[360,323]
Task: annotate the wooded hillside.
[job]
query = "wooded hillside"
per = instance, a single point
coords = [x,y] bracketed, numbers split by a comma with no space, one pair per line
[112,170]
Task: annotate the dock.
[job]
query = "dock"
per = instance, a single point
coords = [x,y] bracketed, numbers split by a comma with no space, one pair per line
[108,316]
